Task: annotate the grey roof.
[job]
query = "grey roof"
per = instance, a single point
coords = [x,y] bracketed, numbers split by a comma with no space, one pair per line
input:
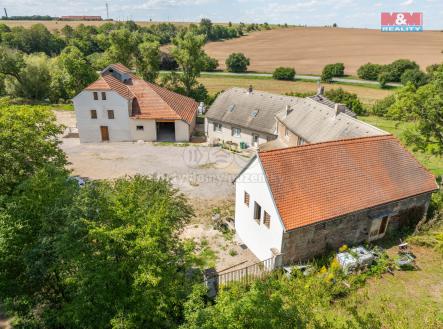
[255,111]
[316,122]
[326,101]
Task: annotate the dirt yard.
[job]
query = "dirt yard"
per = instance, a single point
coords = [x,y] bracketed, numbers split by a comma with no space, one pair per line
[308,50]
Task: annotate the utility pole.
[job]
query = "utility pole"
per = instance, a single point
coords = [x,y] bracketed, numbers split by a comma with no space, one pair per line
[6,13]
[107,11]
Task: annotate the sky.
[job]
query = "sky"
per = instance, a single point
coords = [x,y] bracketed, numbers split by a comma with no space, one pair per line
[346,13]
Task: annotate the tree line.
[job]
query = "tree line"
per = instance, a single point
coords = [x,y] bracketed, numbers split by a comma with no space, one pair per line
[39,65]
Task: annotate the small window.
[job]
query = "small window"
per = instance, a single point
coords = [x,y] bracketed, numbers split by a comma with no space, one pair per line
[246,198]
[232,108]
[217,127]
[266,219]
[257,212]
[103,95]
[95,95]
[286,132]
[301,141]
[110,114]
[236,132]
[140,128]
[93,114]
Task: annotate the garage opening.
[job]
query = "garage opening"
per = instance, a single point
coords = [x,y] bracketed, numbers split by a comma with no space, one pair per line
[166,131]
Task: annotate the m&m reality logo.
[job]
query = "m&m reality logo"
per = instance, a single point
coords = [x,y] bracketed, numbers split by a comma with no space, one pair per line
[402,22]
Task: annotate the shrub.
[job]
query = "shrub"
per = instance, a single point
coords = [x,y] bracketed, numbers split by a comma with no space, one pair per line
[369,71]
[167,62]
[210,64]
[381,107]
[349,99]
[417,77]
[332,70]
[384,78]
[394,71]
[237,62]
[284,73]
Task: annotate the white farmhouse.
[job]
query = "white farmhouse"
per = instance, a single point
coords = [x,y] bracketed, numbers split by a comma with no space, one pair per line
[301,201]
[119,106]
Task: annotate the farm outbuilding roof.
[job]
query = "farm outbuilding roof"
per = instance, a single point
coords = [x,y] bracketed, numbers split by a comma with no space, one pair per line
[254,110]
[318,182]
[316,122]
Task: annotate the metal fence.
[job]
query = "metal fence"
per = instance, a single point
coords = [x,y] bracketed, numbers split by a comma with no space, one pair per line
[245,275]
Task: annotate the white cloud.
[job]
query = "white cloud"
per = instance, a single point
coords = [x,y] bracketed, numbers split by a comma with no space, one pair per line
[407,3]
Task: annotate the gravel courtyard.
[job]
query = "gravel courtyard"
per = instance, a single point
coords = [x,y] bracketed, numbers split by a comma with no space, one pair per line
[198,171]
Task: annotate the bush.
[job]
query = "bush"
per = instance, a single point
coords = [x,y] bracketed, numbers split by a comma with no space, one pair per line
[384,78]
[394,71]
[284,73]
[210,64]
[369,71]
[332,70]
[167,62]
[416,77]
[349,99]
[380,107]
[237,62]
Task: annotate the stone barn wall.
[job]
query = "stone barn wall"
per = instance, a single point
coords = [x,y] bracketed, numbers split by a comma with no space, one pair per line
[310,241]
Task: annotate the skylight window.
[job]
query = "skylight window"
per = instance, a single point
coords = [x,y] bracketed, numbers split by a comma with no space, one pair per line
[232,108]
[254,113]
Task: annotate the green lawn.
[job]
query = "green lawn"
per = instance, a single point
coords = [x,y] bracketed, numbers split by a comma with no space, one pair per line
[431,162]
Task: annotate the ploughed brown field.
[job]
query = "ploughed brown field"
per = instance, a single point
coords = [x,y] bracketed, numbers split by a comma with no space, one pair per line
[309,49]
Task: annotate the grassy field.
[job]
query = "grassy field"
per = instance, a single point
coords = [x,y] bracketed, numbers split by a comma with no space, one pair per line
[432,163]
[309,49]
[214,84]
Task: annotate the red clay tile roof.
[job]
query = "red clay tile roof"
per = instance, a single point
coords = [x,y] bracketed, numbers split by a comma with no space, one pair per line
[149,100]
[317,182]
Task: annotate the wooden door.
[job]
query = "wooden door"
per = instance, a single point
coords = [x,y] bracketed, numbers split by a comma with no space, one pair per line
[105,133]
[378,228]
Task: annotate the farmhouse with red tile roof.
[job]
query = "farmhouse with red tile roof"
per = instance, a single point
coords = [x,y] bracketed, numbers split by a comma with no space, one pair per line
[119,106]
[301,201]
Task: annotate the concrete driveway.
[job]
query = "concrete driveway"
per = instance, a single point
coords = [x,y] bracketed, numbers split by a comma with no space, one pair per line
[198,171]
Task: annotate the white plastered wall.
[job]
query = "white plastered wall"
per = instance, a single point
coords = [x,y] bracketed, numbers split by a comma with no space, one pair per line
[89,129]
[226,134]
[259,238]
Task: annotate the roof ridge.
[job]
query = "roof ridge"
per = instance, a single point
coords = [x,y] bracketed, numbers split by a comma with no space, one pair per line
[300,148]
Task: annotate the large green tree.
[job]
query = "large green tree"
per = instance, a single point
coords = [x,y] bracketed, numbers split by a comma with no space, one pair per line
[71,73]
[33,80]
[28,142]
[123,46]
[130,268]
[147,61]
[189,54]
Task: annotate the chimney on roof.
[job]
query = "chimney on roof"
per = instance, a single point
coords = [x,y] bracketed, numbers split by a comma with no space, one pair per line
[339,108]
[320,90]
[288,109]
[250,89]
